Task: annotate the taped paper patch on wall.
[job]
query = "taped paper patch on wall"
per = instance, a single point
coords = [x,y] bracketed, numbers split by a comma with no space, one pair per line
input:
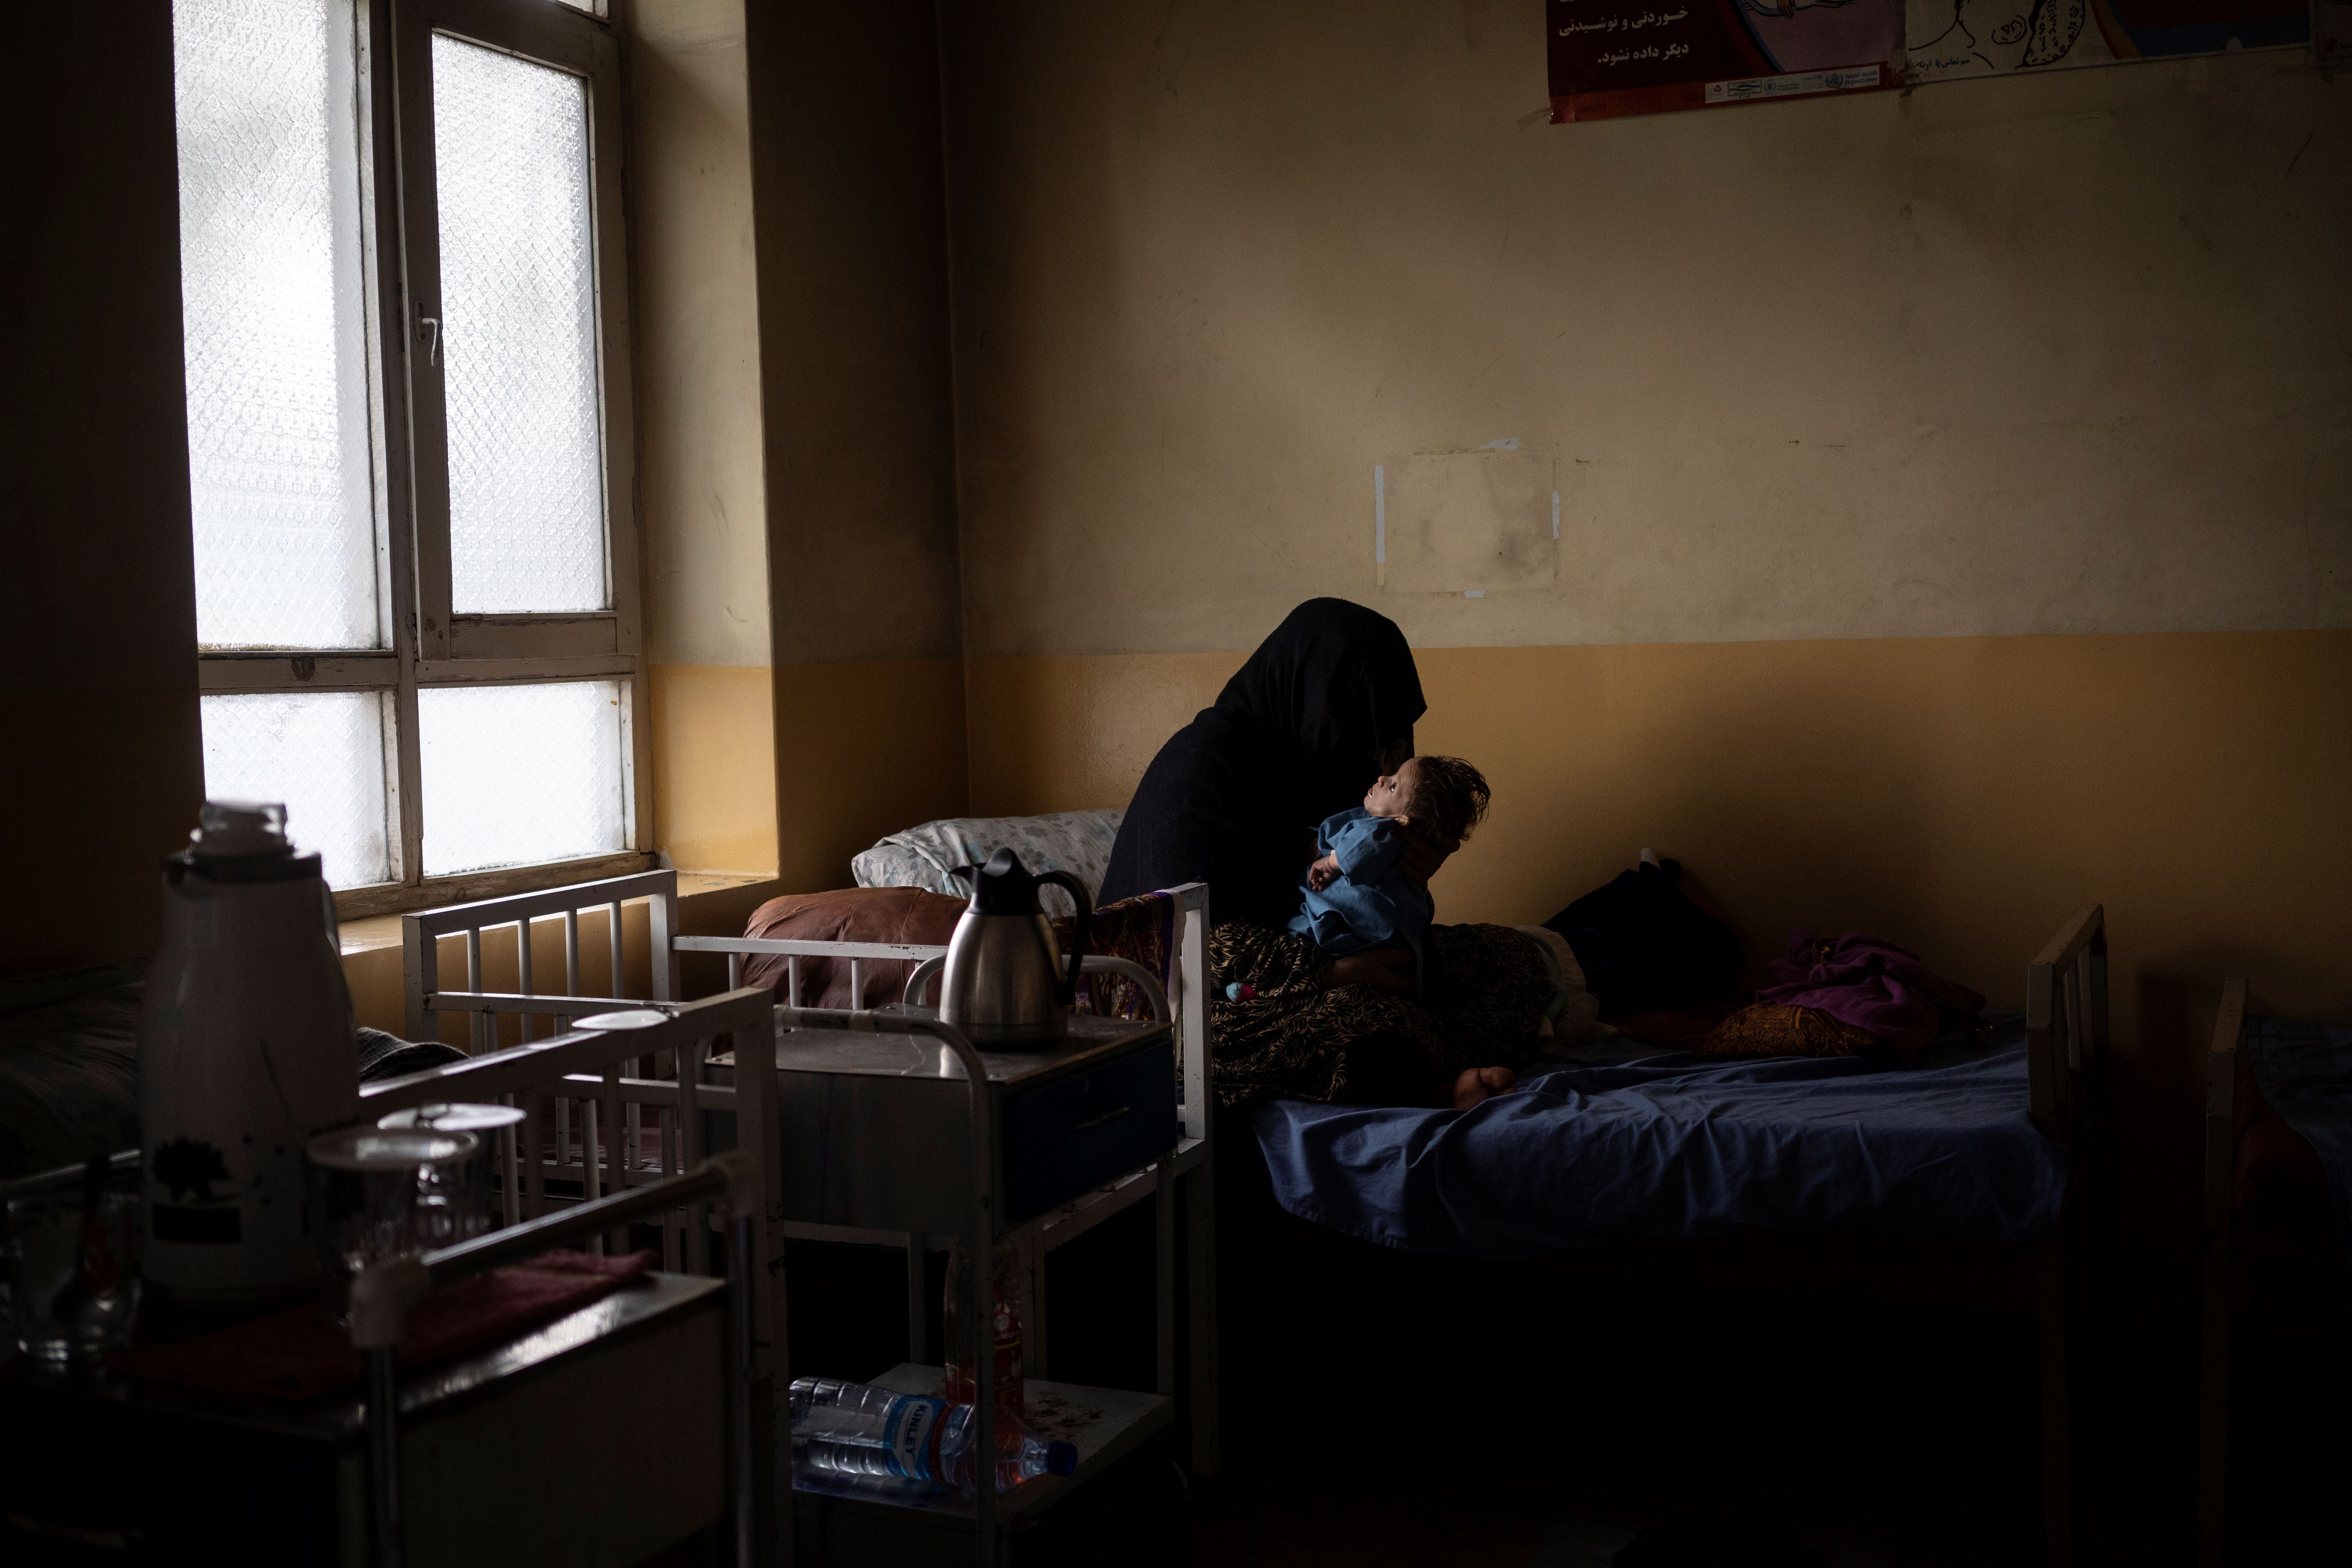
[1467,521]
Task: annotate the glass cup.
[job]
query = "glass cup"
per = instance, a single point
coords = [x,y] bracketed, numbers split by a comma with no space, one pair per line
[378,1194]
[476,1195]
[73,1276]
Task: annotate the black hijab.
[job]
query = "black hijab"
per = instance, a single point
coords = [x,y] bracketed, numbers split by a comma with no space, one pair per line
[1297,734]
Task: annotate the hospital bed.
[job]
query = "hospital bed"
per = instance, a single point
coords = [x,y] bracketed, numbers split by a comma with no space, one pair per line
[1976,1172]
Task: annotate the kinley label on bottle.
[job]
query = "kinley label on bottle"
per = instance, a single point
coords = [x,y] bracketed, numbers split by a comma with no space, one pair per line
[911,1433]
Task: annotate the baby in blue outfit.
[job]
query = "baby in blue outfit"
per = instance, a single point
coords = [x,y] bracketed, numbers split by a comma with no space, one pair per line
[1370,888]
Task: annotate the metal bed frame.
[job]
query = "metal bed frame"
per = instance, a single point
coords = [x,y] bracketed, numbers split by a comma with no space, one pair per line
[677,1098]
[2065,1064]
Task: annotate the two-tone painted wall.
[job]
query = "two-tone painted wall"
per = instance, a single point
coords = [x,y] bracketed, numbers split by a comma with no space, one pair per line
[1954,488]
[858,447]
[700,485]
[795,446]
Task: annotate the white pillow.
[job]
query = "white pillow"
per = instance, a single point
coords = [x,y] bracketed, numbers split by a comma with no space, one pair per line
[1078,842]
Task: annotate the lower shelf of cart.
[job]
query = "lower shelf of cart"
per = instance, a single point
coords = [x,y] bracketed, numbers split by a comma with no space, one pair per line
[1103,1422]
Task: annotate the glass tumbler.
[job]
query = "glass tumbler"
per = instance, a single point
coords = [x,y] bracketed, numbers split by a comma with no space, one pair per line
[377,1194]
[477,1194]
[73,1276]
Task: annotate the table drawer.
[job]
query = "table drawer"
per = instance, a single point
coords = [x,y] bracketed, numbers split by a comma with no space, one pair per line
[1062,1137]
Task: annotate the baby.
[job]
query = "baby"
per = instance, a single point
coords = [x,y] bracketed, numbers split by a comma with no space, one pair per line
[1371,887]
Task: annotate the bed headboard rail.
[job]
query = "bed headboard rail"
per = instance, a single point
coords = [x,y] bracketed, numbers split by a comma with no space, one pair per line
[420,935]
[2067,1025]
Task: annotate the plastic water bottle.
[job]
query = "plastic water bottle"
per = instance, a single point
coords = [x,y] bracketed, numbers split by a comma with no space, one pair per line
[1012,1298]
[858,1432]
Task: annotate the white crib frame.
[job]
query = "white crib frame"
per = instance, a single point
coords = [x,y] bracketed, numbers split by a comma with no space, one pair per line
[625,1095]
[591,1065]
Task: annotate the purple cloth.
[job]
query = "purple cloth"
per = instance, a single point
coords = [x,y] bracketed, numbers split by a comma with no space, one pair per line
[1874,985]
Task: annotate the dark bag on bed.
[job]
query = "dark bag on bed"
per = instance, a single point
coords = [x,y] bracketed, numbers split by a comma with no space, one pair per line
[1643,945]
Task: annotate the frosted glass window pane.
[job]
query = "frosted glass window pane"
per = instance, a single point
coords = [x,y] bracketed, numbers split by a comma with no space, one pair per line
[320,753]
[518,304]
[274,324]
[517,775]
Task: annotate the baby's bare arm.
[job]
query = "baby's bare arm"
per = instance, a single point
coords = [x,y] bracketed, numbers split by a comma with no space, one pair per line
[1323,873]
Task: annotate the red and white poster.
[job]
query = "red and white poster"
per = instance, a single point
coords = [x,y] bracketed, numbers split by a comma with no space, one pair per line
[1612,58]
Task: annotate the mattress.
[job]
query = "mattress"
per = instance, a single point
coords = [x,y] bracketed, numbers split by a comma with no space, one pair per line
[1623,1140]
[2293,1167]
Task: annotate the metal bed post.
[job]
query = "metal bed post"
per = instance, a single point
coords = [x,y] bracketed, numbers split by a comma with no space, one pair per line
[522,975]
[474,983]
[743,1383]
[1200,1182]
[2213,1373]
[1164,1248]
[2065,1030]
[383,1446]
[420,971]
[756,1129]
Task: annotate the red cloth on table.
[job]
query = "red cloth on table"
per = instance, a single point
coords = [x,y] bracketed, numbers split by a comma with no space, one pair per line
[297,1354]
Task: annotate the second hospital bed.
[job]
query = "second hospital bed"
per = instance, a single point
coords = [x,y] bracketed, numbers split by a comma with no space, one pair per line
[1654,1164]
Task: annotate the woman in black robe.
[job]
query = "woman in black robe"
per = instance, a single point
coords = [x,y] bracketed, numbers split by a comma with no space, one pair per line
[1325,705]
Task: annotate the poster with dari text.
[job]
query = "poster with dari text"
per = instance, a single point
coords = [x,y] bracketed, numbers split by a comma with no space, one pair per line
[1612,58]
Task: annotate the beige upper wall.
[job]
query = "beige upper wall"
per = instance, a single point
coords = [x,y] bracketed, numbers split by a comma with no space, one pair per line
[2050,355]
[859,439]
[701,500]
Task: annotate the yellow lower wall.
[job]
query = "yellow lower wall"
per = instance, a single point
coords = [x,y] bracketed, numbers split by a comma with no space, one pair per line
[714,773]
[865,747]
[1959,795]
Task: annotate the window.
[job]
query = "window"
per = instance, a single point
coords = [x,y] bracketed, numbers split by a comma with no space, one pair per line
[409,435]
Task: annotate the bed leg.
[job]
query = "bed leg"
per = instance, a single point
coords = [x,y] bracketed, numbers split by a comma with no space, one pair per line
[2056,1449]
[1163,1225]
[2213,1416]
[1200,1328]
[2220,1168]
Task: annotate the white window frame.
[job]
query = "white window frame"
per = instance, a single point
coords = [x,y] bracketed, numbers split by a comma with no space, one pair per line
[429,645]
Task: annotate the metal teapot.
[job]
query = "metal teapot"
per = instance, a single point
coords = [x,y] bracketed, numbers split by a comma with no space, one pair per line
[1004,983]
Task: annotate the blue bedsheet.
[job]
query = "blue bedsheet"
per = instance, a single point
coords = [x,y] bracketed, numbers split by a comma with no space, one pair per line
[2305,1070]
[1675,1144]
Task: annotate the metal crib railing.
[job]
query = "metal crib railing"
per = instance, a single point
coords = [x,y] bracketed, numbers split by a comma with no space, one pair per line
[581,1144]
[587,1068]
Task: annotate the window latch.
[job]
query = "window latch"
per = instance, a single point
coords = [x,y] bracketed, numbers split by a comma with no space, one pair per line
[429,328]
